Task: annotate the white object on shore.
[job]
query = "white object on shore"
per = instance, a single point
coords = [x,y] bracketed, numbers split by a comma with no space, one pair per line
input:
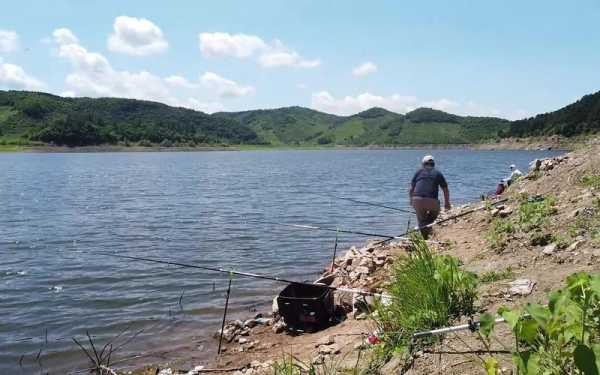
[522,287]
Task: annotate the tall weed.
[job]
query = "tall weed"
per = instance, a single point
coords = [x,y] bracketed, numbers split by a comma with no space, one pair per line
[533,213]
[427,291]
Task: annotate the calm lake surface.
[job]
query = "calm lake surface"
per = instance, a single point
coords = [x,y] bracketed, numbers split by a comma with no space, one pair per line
[60,210]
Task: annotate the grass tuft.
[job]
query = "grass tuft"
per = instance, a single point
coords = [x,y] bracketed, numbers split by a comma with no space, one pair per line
[591,181]
[492,276]
[534,212]
[498,234]
[428,291]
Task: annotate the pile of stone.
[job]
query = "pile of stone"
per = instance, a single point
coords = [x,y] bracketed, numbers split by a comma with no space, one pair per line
[501,211]
[356,268]
[547,164]
[235,329]
[169,371]
[256,368]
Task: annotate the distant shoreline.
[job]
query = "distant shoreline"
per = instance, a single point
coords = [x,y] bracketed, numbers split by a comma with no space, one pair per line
[531,144]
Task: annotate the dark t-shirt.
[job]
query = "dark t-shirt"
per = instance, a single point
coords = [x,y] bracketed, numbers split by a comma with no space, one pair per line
[426,183]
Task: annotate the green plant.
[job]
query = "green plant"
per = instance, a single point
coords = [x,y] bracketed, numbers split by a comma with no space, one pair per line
[534,212]
[491,276]
[426,291]
[498,234]
[560,338]
[591,181]
[288,365]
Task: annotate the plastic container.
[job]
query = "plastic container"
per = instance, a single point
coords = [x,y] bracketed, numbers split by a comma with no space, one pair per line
[306,307]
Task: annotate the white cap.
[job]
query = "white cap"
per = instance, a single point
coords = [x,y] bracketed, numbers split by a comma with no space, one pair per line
[427,159]
[512,166]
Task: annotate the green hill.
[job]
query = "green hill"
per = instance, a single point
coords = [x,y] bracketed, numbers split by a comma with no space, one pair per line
[29,117]
[376,126]
[581,117]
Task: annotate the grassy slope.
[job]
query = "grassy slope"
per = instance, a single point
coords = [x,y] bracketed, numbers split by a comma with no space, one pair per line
[300,126]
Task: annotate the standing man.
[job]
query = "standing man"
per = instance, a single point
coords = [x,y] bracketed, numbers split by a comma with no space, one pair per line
[423,194]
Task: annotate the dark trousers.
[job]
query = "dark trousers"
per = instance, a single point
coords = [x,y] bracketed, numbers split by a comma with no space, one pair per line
[427,210]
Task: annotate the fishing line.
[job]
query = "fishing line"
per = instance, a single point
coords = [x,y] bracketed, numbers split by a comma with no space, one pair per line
[367,203]
[441,221]
[339,230]
[240,273]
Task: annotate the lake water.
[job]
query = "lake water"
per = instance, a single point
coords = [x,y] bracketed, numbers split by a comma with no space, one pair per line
[59,210]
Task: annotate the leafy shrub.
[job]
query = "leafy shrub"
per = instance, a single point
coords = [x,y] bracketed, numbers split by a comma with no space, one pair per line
[560,338]
[426,291]
[534,212]
[498,234]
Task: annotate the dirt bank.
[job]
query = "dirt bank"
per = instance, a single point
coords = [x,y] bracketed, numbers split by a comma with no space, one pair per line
[566,241]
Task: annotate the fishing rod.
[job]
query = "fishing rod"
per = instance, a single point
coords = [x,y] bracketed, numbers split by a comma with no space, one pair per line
[441,221]
[471,325]
[338,230]
[240,273]
[368,203]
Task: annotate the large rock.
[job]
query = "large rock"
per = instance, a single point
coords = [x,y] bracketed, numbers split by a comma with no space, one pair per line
[522,287]
[549,249]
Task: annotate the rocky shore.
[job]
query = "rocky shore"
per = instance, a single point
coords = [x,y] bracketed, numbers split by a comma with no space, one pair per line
[520,269]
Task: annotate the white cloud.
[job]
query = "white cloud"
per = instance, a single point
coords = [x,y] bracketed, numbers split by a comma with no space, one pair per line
[326,102]
[241,46]
[364,69]
[136,37]
[64,36]
[94,76]
[208,107]
[223,86]
[9,41]
[14,77]
[232,45]
[180,82]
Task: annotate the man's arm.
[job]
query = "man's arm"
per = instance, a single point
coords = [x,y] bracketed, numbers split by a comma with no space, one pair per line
[413,182]
[447,205]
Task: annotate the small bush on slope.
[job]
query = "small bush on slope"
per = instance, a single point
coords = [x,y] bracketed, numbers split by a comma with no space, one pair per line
[427,291]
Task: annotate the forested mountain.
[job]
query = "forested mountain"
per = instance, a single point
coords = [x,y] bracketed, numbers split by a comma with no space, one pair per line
[376,126]
[581,117]
[27,117]
[84,121]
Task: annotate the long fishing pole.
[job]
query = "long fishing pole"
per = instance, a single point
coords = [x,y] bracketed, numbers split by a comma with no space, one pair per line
[314,227]
[368,203]
[440,221]
[471,325]
[240,273]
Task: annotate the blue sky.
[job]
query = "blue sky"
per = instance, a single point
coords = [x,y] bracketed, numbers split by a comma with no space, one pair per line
[509,58]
